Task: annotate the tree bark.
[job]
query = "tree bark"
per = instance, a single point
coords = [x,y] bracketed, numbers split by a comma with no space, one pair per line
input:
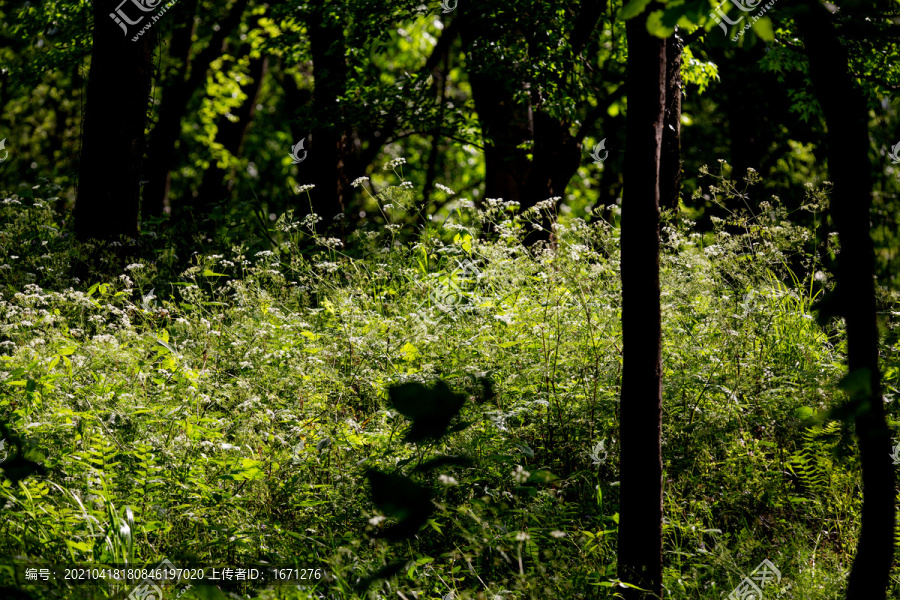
[214,190]
[330,144]
[640,510]
[846,116]
[175,99]
[440,78]
[513,129]
[118,94]
[670,161]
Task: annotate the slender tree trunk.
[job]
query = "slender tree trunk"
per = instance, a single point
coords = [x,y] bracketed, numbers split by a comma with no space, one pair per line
[670,161]
[440,78]
[557,156]
[846,116]
[118,95]
[640,521]
[505,125]
[174,104]
[214,189]
[165,132]
[330,145]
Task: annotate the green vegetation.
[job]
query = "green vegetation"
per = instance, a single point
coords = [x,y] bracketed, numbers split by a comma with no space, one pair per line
[235,411]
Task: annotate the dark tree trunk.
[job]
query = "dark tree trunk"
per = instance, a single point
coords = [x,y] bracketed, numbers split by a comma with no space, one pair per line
[640,509]
[846,116]
[557,156]
[510,126]
[330,144]
[118,94]
[440,78]
[670,161]
[175,99]
[215,190]
[165,132]
[505,126]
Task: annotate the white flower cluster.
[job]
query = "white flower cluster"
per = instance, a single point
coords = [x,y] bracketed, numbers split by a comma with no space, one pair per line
[393,164]
[548,204]
[447,480]
[305,188]
[444,189]
[520,475]
[359,181]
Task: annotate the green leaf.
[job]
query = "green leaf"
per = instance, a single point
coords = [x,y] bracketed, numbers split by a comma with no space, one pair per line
[763,28]
[633,9]
[542,477]
[399,496]
[430,409]
[656,25]
[208,273]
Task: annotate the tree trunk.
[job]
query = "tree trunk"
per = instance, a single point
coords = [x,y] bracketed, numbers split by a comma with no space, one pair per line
[330,145]
[846,116]
[505,126]
[440,78]
[118,95]
[175,99]
[670,161]
[168,125]
[640,524]
[215,190]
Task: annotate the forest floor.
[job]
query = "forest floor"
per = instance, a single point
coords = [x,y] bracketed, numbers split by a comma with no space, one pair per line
[243,411]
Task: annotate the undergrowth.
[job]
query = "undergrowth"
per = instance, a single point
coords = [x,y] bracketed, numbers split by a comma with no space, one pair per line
[227,411]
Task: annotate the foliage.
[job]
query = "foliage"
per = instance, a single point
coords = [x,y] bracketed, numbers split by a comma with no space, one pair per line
[237,408]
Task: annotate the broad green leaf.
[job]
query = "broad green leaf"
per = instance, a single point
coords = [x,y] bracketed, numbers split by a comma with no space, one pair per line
[763,28]
[633,9]
[656,25]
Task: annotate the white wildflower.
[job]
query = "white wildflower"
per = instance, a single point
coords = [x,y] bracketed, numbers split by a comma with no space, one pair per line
[520,475]
[393,164]
[548,204]
[359,181]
